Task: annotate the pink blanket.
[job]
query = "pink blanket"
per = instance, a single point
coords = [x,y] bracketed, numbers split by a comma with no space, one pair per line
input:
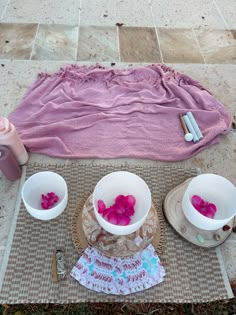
[95,112]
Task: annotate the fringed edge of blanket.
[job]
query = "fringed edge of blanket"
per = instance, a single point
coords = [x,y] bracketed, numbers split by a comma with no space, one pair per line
[88,69]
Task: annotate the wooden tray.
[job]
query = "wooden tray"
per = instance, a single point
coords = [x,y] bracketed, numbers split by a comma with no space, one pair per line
[175,216]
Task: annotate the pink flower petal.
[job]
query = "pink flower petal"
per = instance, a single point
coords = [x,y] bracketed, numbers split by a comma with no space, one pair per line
[211,207]
[49,200]
[209,215]
[210,212]
[44,197]
[120,200]
[56,198]
[106,212]
[129,211]
[101,206]
[120,211]
[44,205]
[130,201]
[201,211]
[198,208]
[203,207]
[123,220]
[196,201]
[112,218]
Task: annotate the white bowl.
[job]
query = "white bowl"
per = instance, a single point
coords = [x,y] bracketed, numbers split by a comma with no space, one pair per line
[213,189]
[123,183]
[43,183]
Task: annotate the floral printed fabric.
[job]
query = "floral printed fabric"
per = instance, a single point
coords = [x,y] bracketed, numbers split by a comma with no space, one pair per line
[111,275]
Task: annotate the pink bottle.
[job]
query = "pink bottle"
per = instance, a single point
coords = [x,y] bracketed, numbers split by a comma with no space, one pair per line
[8,164]
[10,138]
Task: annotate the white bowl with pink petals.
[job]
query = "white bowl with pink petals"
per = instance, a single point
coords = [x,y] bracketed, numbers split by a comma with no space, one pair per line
[45,195]
[216,191]
[121,201]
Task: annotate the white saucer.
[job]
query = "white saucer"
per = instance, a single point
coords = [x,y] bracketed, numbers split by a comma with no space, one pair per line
[175,216]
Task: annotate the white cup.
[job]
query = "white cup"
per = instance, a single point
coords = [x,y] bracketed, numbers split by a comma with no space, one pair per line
[123,183]
[43,183]
[213,189]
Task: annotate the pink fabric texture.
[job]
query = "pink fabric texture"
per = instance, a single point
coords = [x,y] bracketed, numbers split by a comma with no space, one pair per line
[98,112]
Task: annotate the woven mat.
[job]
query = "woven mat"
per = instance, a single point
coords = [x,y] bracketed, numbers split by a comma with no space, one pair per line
[193,274]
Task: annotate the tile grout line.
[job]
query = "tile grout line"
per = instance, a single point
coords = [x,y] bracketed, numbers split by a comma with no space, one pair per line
[36,34]
[158,40]
[80,9]
[219,11]
[118,42]
[78,34]
[85,62]
[4,11]
[198,44]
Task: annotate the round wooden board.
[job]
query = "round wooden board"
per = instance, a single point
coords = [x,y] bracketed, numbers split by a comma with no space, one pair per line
[175,216]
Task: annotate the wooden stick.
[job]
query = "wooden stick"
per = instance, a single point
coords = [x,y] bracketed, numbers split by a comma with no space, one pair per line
[54,268]
[183,124]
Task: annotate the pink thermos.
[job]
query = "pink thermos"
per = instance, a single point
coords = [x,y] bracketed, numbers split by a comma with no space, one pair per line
[8,164]
[10,138]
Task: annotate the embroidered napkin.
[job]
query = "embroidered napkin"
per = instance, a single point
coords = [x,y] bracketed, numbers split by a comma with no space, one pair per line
[120,276]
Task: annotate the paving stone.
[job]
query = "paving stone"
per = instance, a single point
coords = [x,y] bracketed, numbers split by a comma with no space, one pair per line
[179,46]
[56,42]
[138,44]
[98,43]
[16,40]
[43,11]
[182,14]
[228,11]
[217,46]
[110,12]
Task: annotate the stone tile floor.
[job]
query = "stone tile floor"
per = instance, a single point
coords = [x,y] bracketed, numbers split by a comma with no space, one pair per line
[198,39]
[118,42]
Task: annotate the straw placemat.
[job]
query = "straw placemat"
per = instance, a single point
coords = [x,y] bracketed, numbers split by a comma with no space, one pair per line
[193,274]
